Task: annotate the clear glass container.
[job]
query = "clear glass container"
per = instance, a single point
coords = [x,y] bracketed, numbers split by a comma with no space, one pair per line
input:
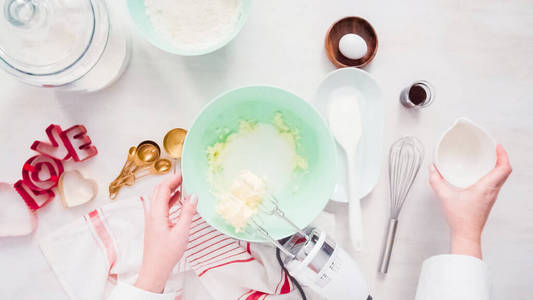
[59,43]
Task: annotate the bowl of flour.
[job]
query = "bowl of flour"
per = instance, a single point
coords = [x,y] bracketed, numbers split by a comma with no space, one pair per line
[189,27]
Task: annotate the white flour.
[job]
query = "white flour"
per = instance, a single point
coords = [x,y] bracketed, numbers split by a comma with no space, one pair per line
[193,24]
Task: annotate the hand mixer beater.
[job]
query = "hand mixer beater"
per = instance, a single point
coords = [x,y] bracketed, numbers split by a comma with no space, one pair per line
[405,158]
[312,257]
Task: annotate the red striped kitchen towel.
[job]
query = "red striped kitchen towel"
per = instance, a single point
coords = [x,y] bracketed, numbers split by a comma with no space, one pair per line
[89,255]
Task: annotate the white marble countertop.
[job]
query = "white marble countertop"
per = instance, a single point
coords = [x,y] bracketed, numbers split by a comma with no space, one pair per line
[476,53]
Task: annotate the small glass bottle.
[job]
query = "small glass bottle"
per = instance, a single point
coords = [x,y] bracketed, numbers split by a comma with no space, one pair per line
[419,94]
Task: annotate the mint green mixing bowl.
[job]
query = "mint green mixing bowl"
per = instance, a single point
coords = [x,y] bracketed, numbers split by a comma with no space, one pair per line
[261,103]
[137,12]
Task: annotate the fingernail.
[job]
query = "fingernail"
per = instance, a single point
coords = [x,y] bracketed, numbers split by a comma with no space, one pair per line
[432,168]
[193,199]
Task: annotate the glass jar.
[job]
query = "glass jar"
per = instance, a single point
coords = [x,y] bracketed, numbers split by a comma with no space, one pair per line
[62,43]
[418,95]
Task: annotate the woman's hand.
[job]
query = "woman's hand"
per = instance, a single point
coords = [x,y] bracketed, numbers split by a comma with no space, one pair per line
[467,209]
[164,244]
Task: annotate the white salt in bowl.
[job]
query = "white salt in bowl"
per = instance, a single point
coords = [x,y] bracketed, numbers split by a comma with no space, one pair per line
[137,10]
[465,153]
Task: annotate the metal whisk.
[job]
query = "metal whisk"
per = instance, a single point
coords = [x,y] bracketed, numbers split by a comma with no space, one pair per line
[405,158]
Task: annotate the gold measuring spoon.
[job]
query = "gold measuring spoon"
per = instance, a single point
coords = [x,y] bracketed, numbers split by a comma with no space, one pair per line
[113,191]
[173,144]
[145,154]
[124,171]
[127,165]
[159,167]
[131,155]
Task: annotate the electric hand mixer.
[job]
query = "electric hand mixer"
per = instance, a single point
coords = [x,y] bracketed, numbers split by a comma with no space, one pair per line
[313,258]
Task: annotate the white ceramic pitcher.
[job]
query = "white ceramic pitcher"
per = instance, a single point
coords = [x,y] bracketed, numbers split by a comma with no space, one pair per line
[465,153]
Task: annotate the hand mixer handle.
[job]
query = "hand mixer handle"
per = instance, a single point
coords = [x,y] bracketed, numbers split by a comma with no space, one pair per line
[389,243]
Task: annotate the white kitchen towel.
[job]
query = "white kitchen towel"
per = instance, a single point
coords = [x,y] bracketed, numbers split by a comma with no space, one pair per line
[89,255]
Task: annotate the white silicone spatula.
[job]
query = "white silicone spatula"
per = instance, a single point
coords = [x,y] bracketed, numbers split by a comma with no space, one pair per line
[345,123]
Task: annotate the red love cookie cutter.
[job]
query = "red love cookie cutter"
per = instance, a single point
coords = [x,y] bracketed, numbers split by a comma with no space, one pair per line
[55,148]
[73,142]
[78,143]
[36,189]
[33,170]
[34,199]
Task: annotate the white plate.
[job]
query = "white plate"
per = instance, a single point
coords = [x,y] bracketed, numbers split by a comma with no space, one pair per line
[370,149]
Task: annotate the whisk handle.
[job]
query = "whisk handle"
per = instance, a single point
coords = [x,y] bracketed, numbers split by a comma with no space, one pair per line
[389,243]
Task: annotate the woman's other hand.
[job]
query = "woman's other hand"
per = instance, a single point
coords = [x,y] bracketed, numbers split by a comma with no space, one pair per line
[467,209]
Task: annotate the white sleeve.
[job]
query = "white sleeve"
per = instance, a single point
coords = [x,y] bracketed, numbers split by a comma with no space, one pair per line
[453,277]
[125,291]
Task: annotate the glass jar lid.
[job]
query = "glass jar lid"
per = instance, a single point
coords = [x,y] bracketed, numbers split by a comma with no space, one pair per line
[41,40]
